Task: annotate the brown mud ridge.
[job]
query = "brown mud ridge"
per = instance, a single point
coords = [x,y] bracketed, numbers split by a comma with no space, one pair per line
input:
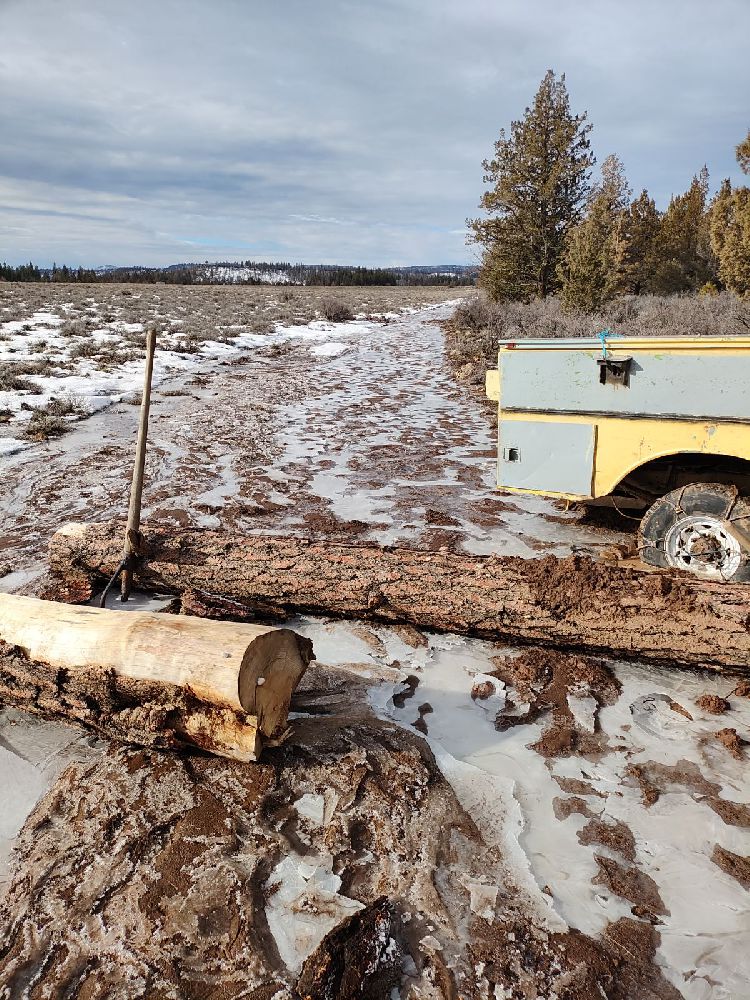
[149,874]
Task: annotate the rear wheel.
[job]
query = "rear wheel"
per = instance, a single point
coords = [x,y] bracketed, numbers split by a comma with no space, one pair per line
[703,528]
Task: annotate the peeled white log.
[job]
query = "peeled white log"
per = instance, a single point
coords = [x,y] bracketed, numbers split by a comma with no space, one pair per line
[238,677]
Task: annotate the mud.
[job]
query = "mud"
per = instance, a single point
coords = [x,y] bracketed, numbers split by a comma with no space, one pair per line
[547,681]
[733,864]
[570,806]
[712,703]
[655,778]
[146,875]
[619,965]
[632,884]
[614,835]
[734,743]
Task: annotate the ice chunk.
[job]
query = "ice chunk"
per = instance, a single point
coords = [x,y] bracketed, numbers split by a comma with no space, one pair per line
[304,906]
[583,708]
[482,899]
[312,807]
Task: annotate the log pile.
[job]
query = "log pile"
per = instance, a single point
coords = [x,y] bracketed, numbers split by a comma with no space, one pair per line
[574,603]
[153,679]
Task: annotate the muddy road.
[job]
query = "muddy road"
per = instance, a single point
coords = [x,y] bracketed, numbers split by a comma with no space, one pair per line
[344,430]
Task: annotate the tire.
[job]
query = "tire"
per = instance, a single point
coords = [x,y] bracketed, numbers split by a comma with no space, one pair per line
[691,529]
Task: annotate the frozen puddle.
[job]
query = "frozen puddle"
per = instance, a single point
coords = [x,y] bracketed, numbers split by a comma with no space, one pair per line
[548,814]
[33,753]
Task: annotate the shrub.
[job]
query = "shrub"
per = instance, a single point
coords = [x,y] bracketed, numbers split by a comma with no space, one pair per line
[473,332]
[12,379]
[44,425]
[261,324]
[66,406]
[335,311]
[73,328]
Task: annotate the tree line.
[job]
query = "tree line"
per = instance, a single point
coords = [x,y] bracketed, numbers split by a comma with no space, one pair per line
[203,274]
[548,230]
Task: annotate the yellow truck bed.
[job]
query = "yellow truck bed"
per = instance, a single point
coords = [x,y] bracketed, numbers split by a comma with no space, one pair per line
[574,424]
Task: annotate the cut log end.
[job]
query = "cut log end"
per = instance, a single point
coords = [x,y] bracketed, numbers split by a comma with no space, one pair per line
[153,679]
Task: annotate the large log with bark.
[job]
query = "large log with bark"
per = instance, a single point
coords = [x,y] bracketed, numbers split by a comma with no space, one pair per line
[149,678]
[572,603]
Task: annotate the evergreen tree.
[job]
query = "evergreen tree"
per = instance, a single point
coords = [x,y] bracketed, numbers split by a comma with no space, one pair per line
[686,260]
[540,180]
[588,269]
[743,153]
[636,246]
[730,229]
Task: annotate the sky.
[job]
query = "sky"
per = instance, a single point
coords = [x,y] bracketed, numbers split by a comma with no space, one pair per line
[332,131]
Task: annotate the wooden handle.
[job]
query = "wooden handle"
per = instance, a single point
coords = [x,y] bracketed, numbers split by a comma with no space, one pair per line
[132,533]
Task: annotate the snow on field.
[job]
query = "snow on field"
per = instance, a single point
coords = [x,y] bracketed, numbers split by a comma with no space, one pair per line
[49,365]
[212,273]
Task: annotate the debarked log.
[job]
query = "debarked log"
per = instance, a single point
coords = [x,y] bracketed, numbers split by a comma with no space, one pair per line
[152,679]
[573,603]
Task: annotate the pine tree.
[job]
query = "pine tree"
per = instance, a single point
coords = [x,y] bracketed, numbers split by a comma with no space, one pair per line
[730,229]
[635,246]
[587,270]
[686,260]
[540,180]
[743,153]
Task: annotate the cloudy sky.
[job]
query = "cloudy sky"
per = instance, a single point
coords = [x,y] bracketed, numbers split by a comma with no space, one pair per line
[342,131]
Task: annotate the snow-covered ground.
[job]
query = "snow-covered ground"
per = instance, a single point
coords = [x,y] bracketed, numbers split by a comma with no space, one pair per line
[45,358]
[537,808]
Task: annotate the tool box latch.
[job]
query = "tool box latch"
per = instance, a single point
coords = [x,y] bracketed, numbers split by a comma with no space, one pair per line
[614,371]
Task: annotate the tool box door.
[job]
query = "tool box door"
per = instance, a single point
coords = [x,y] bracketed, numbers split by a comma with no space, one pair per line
[544,456]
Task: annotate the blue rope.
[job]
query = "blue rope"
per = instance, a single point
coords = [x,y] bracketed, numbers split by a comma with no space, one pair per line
[602,336]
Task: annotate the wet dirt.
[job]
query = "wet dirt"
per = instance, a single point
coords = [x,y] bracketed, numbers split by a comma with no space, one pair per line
[173,875]
[379,443]
[546,681]
[733,864]
[712,703]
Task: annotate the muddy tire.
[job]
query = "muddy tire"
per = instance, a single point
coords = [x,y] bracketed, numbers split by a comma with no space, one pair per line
[691,528]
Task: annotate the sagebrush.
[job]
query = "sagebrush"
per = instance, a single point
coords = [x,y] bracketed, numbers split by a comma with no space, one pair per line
[473,332]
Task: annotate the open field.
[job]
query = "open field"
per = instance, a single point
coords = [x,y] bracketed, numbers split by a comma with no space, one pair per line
[503,823]
[69,350]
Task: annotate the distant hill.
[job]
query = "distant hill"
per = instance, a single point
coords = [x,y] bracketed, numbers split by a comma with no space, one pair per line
[278,273]
[251,273]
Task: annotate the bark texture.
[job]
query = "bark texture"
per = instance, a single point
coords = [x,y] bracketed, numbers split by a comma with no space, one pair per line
[571,603]
[147,713]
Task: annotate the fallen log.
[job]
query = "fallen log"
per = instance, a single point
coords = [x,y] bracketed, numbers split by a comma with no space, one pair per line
[152,679]
[572,603]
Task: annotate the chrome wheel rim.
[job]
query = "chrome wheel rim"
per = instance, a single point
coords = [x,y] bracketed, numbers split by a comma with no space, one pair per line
[703,545]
